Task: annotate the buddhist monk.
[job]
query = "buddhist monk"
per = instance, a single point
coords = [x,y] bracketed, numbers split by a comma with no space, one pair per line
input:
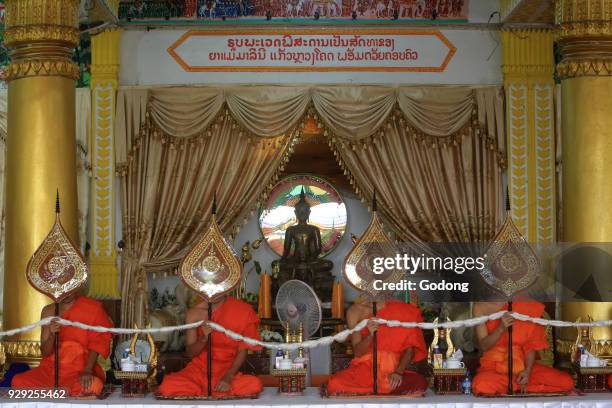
[227,355]
[527,339]
[79,372]
[397,348]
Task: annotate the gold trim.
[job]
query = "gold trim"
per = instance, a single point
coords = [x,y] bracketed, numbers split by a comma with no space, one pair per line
[585,67]
[38,12]
[37,67]
[22,351]
[583,29]
[29,33]
[584,32]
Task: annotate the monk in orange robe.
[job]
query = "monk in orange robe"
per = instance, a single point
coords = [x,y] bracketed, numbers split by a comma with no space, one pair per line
[227,355]
[527,339]
[397,347]
[79,372]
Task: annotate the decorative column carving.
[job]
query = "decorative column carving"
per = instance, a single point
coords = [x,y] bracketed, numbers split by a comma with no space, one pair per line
[584,35]
[40,155]
[104,80]
[528,67]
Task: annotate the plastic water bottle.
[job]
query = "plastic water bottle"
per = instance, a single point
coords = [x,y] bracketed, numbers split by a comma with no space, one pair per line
[466,385]
[279,356]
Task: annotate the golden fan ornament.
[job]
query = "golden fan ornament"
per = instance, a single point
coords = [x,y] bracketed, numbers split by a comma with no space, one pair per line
[57,268]
[511,263]
[358,265]
[211,267]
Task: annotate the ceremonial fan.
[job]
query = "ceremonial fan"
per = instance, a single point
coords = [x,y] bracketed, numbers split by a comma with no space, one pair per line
[511,267]
[58,270]
[212,269]
[357,269]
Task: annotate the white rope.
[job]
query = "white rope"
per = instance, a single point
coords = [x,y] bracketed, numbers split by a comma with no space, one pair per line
[323,341]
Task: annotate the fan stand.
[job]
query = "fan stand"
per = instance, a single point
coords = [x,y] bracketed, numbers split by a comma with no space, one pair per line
[374,354]
[209,354]
[510,356]
[56,346]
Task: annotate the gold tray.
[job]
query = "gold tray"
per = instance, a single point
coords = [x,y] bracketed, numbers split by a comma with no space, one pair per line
[276,372]
[205,398]
[595,370]
[449,371]
[131,375]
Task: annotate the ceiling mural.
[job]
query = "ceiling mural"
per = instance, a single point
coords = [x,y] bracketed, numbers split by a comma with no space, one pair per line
[287,10]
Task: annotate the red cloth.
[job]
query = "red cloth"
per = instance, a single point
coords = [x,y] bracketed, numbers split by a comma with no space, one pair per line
[234,315]
[74,346]
[391,342]
[492,376]
[610,381]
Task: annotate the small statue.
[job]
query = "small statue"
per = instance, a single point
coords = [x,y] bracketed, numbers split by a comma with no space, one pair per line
[304,263]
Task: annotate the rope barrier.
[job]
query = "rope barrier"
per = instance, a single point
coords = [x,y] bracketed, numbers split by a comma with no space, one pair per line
[323,341]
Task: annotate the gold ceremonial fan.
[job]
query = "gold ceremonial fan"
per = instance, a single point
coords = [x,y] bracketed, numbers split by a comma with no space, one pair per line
[211,267]
[57,268]
[512,264]
[359,264]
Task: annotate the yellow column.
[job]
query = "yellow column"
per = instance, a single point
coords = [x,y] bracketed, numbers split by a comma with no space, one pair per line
[584,33]
[40,152]
[528,67]
[104,78]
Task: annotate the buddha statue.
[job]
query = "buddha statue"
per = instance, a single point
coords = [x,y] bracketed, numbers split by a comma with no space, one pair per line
[300,259]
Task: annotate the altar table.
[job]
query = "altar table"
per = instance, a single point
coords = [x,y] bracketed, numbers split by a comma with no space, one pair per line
[311,399]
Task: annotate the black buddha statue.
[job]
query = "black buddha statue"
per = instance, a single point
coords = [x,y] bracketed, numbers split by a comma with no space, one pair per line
[300,259]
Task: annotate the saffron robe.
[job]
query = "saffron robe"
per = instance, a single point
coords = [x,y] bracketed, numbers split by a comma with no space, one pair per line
[74,347]
[492,376]
[191,381]
[391,344]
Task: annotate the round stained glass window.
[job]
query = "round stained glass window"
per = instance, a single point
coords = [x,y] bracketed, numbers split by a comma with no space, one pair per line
[327,211]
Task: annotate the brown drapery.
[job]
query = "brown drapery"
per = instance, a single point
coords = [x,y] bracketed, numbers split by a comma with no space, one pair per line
[436,157]
[170,177]
[435,154]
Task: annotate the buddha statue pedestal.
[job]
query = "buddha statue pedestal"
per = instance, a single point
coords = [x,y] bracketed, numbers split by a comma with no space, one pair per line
[300,259]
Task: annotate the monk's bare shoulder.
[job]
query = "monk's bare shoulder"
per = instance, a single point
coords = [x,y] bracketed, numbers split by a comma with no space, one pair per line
[48,311]
[485,308]
[356,313]
[195,314]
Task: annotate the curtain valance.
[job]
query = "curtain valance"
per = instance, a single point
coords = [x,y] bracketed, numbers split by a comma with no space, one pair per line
[352,113]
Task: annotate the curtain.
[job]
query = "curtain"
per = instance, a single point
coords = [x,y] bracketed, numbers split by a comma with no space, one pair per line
[189,149]
[434,154]
[83,132]
[437,166]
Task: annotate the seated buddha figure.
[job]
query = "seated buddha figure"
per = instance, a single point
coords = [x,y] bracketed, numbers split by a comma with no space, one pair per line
[303,263]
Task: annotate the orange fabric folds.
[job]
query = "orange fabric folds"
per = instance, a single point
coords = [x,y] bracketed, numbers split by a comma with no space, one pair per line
[234,315]
[492,376]
[392,342]
[75,345]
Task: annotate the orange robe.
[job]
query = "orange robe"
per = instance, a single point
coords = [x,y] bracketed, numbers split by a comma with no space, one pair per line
[391,343]
[74,347]
[492,376]
[234,315]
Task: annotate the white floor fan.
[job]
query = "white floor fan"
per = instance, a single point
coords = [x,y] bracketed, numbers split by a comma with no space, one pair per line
[297,303]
